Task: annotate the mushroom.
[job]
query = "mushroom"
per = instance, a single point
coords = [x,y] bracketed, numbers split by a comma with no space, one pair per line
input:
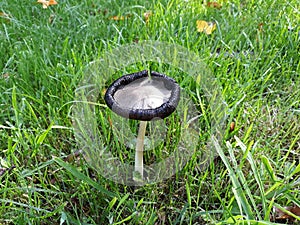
[143,97]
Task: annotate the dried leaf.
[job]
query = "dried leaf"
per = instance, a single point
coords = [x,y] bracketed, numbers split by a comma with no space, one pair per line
[5,16]
[260,27]
[206,27]
[47,3]
[280,215]
[110,121]
[147,15]
[118,18]
[52,2]
[232,125]
[296,210]
[214,5]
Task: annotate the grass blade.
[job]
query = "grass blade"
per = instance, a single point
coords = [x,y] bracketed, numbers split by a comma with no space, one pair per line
[83,177]
[269,167]
[256,177]
[237,187]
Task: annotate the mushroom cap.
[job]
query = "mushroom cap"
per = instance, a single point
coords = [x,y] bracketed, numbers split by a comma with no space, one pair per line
[142,97]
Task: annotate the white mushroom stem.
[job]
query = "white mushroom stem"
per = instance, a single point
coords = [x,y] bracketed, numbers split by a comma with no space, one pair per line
[139,167]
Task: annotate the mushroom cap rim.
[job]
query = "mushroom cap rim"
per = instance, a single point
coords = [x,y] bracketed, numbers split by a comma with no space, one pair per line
[161,112]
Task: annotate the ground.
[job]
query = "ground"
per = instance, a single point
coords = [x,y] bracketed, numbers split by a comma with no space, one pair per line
[251,49]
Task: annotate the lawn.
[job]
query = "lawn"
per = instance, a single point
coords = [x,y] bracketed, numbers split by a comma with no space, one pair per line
[49,164]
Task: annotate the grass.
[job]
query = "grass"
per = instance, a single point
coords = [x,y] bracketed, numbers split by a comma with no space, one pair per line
[253,53]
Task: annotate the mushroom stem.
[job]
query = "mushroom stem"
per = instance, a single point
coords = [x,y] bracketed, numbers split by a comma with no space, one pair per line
[139,167]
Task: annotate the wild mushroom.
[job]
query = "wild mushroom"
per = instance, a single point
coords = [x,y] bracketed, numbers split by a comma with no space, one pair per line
[143,97]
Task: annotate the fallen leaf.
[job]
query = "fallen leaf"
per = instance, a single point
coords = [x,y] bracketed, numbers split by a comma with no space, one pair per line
[214,5]
[295,210]
[147,15]
[110,122]
[206,27]
[47,3]
[260,27]
[5,16]
[118,18]
[281,215]
[232,125]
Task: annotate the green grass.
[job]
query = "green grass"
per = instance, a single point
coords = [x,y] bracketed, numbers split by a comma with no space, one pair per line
[43,56]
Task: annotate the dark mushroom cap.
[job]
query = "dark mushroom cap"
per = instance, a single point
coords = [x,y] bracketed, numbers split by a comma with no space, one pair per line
[142,97]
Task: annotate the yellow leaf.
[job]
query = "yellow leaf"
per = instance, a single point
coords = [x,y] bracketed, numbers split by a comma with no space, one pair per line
[5,16]
[206,27]
[47,3]
[147,15]
[117,18]
[214,5]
